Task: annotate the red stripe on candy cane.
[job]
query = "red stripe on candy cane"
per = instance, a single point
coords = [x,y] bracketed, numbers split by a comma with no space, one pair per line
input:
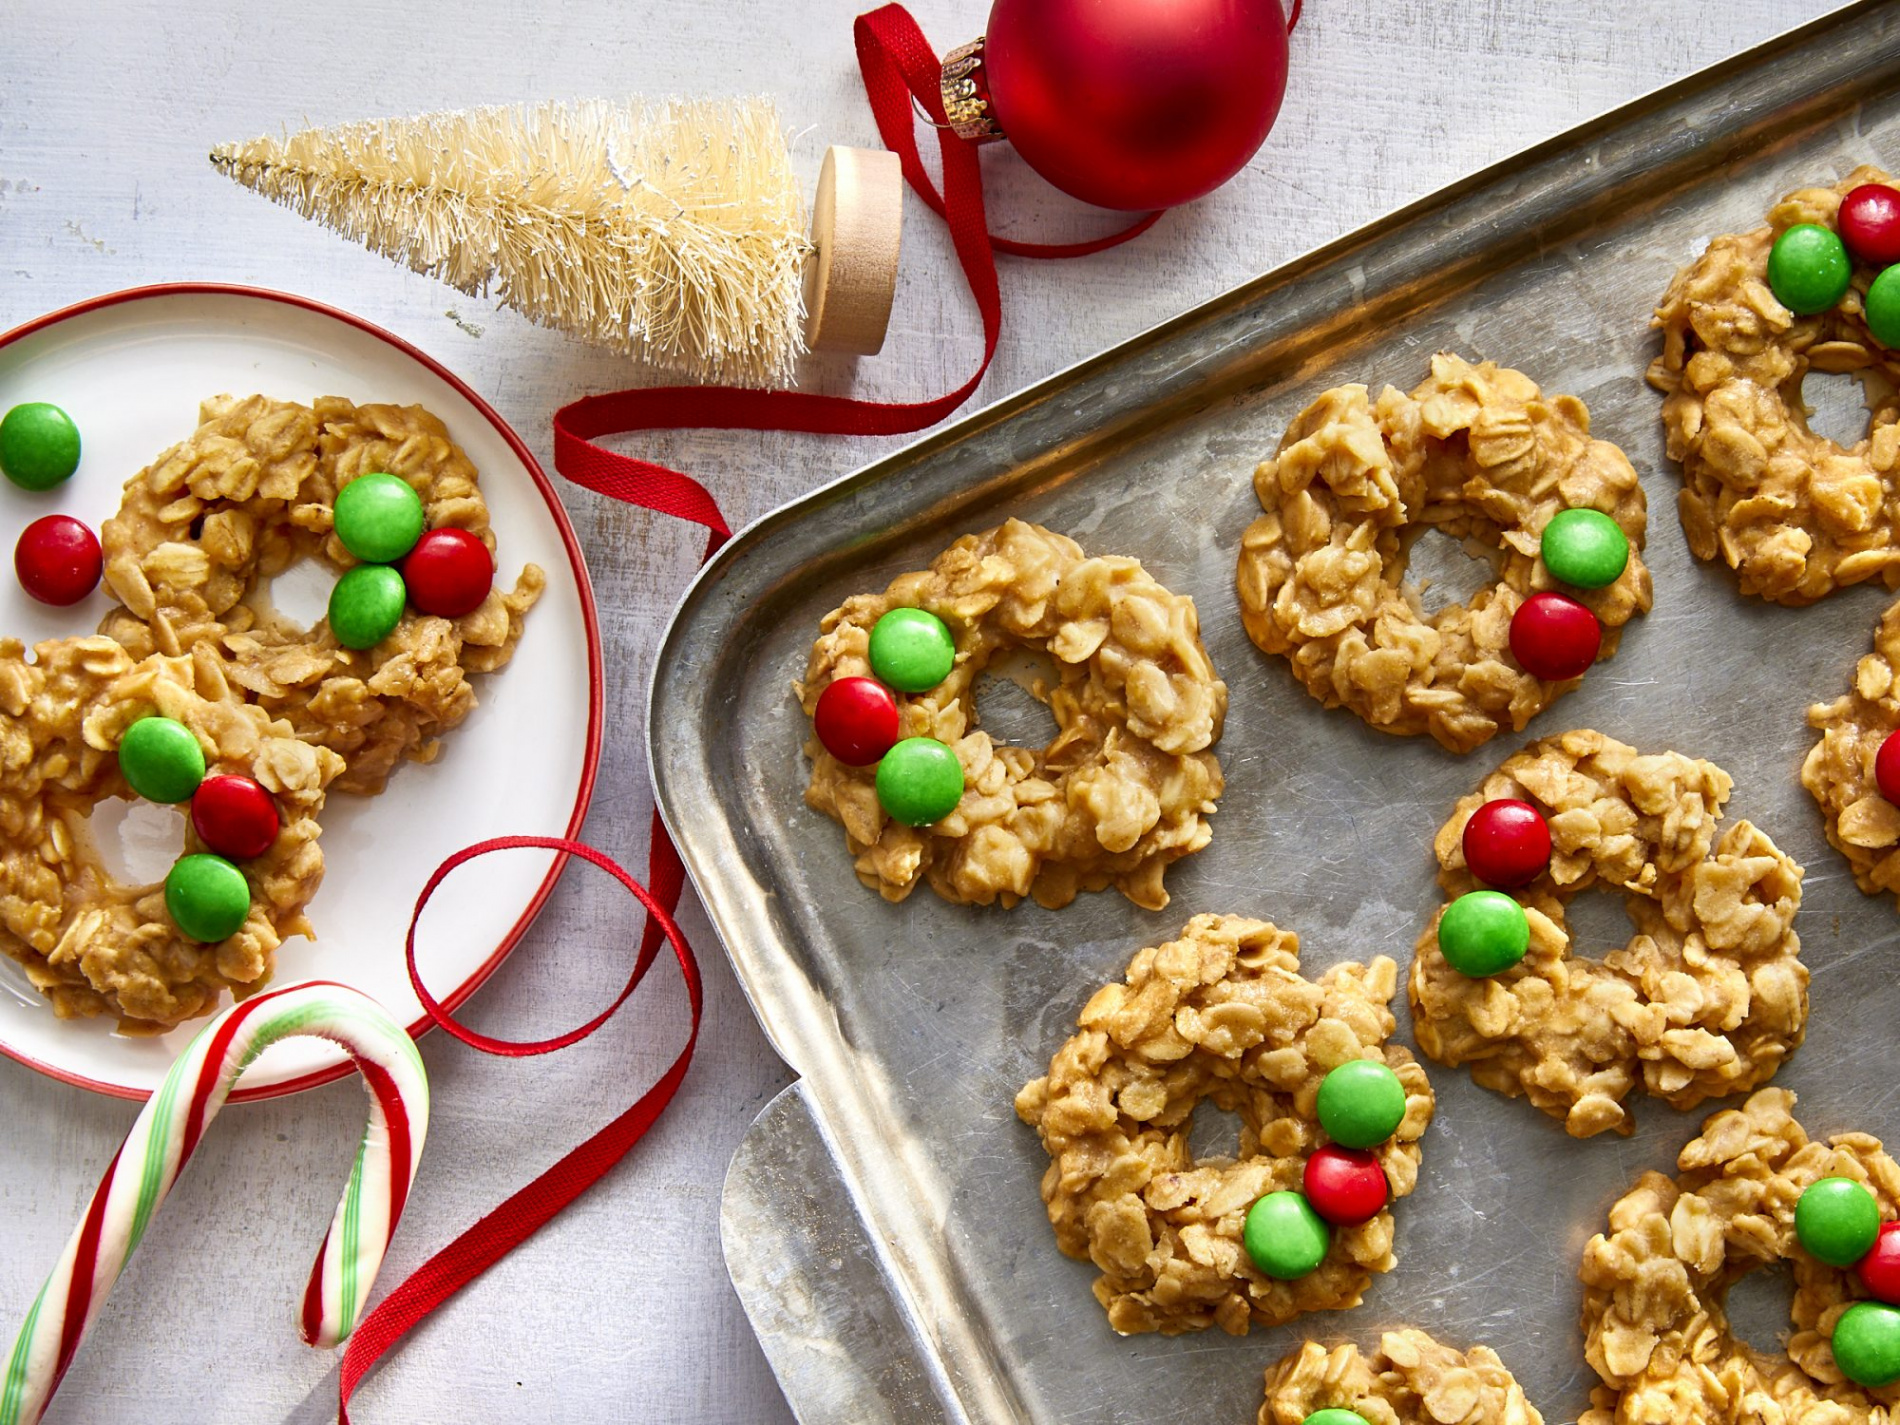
[310,1314]
[198,1114]
[72,1325]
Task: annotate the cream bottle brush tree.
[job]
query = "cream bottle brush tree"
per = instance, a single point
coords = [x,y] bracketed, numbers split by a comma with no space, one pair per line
[672,232]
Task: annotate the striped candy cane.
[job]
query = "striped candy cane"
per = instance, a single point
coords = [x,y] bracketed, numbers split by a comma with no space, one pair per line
[162,1141]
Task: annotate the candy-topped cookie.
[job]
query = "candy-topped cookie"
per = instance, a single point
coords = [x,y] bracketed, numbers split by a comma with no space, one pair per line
[1476,452]
[1331,1113]
[1411,1379]
[1126,787]
[1751,1190]
[1707,997]
[1795,514]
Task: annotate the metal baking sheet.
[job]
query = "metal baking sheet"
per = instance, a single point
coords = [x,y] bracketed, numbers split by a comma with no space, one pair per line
[882,1221]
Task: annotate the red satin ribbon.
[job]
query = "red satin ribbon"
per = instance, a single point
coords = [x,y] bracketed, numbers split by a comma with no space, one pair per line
[524,1214]
[898,66]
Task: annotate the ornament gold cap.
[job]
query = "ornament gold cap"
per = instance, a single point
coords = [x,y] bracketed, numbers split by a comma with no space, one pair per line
[966,94]
[857,224]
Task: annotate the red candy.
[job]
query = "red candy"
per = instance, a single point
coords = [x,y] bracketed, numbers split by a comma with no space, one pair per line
[234,816]
[1345,1186]
[1554,637]
[57,560]
[856,720]
[1880,1268]
[1507,843]
[448,573]
[1870,224]
[1887,767]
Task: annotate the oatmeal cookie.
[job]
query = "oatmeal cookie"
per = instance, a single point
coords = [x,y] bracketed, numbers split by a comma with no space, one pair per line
[1794,514]
[1221,1014]
[1839,771]
[1476,452]
[249,493]
[1129,783]
[1410,1380]
[1655,1330]
[1706,999]
[90,944]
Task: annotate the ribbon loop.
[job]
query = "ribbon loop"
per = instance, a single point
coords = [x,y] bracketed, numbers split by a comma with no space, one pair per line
[527,1211]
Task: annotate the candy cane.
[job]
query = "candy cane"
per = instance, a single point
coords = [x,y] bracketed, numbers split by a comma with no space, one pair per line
[162,1141]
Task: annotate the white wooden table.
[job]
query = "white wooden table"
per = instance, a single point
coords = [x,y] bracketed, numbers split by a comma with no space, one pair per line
[621,1310]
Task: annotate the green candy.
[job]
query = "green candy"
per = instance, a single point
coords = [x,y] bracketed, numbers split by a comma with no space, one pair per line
[1284,1236]
[1836,1220]
[1585,548]
[39,445]
[1483,933]
[1335,1415]
[1867,1344]
[912,650]
[1808,269]
[208,897]
[366,605]
[378,518]
[161,759]
[1882,307]
[1361,1103]
[919,781]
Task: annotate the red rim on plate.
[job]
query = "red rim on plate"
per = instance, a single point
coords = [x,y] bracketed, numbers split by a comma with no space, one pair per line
[590,762]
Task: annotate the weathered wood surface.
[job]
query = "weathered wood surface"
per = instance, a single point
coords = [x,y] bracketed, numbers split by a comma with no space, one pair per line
[621,1311]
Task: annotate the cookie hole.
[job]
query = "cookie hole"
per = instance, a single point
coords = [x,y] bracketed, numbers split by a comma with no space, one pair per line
[1759,1308]
[1007,707]
[136,841]
[1441,571]
[1599,923]
[1838,408]
[1213,1132]
[299,596]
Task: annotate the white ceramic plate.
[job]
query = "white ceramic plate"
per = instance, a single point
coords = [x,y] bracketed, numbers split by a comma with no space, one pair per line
[131,368]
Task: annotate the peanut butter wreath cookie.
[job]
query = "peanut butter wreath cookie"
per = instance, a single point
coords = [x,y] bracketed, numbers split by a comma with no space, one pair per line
[251,492]
[1410,1380]
[1843,770]
[1706,999]
[1124,790]
[1796,515]
[89,943]
[1223,1014]
[1480,454]
[1655,1285]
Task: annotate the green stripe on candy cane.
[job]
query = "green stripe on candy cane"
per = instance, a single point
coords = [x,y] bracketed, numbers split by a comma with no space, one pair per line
[151,1181]
[161,1142]
[17,1364]
[352,1219]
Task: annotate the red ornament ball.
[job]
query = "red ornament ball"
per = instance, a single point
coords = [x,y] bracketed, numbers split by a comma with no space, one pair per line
[1136,104]
[234,816]
[1554,637]
[57,560]
[856,720]
[1880,1268]
[1887,767]
[1345,1186]
[448,573]
[1870,224]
